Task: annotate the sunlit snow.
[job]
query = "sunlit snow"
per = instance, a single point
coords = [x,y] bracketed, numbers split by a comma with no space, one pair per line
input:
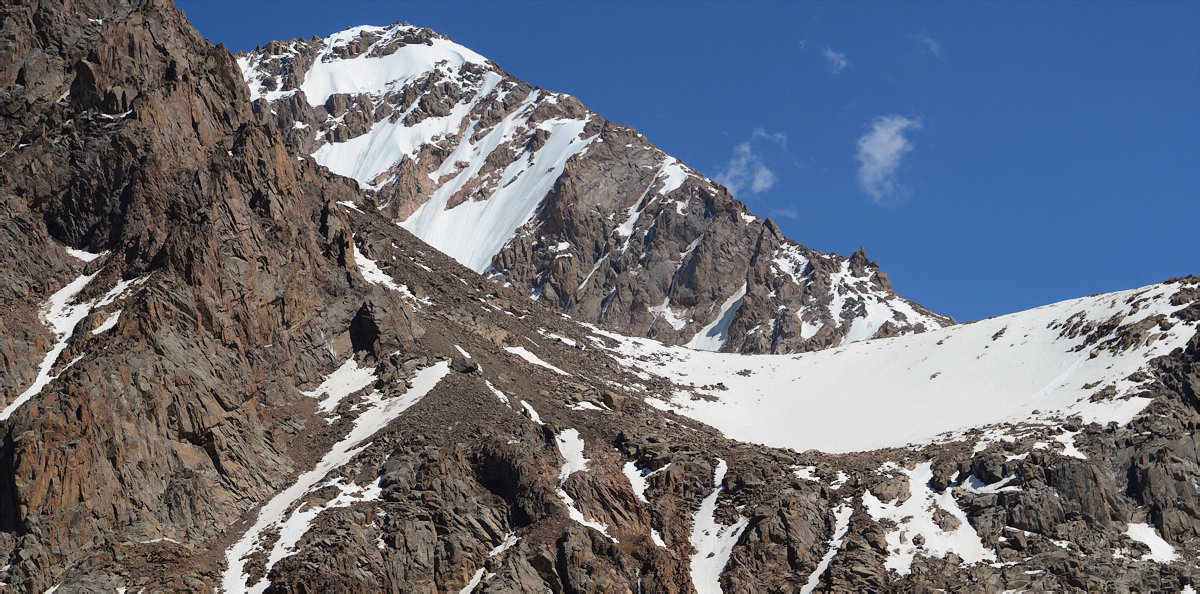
[917,388]
[713,336]
[1161,551]
[915,516]
[713,542]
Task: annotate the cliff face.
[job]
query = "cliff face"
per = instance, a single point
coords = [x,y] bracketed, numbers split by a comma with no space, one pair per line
[221,367]
[217,274]
[547,196]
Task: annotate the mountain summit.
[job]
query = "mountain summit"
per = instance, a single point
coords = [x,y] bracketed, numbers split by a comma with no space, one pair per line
[544,195]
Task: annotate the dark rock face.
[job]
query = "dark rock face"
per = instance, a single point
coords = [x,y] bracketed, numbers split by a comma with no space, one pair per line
[161,396]
[130,135]
[623,235]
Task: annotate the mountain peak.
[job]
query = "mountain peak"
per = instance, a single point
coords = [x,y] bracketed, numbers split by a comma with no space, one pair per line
[368,60]
[546,195]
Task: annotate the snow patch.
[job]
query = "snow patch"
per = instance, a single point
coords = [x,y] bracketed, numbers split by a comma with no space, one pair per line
[475,230]
[713,336]
[802,401]
[84,255]
[1161,551]
[524,353]
[340,383]
[637,480]
[915,516]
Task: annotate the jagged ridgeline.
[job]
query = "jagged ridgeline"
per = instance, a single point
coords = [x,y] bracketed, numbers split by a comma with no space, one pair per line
[542,194]
[223,365]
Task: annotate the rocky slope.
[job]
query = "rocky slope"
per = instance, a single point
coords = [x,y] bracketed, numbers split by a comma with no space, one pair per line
[549,197]
[223,370]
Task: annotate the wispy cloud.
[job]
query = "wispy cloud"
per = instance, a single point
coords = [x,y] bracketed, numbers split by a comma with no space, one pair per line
[778,138]
[837,61]
[746,170]
[786,213]
[929,44]
[879,153]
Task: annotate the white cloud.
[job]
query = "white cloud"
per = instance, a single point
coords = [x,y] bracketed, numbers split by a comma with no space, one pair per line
[764,179]
[778,138]
[879,154]
[930,44]
[747,171]
[837,61]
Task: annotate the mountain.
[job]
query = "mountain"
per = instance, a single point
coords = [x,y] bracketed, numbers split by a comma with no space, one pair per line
[544,195]
[222,368]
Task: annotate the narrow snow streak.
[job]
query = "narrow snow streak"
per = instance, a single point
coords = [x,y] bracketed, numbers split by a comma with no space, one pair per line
[532,414]
[108,324]
[713,542]
[479,577]
[377,415]
[570,445]
[842,515]
[300,521]
[62,317]
[375,275]
[978,487]
[498,394]
[524,353]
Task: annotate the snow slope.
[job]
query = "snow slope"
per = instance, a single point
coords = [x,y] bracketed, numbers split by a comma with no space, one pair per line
[924,387]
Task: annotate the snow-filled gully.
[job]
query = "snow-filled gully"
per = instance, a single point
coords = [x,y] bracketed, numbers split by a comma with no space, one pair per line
[841,515]
[570,445]
[712,541]
[62,316]
[378,414]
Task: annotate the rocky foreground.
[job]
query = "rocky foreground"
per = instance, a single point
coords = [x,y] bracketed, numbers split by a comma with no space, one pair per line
[222,368]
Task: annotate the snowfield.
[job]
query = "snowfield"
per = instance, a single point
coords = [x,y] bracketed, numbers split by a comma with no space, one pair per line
[925,387]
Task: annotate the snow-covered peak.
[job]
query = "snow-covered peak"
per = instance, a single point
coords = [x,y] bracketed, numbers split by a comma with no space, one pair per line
[583,213]
[377,71]
[359,60]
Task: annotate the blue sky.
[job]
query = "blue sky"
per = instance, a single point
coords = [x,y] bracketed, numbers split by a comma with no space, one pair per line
[992,157]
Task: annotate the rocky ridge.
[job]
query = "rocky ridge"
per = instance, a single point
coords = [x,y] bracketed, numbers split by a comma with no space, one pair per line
[549,197]
[224,369]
